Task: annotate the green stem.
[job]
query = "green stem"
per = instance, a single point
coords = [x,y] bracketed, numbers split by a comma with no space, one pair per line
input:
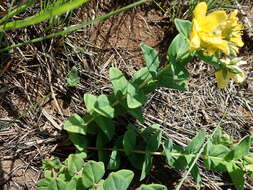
[76,27]
[199,155]
[173,154]
[192,165]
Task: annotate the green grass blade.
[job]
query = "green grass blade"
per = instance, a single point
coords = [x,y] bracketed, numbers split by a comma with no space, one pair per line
[43,15]
[16,11]
[76,27]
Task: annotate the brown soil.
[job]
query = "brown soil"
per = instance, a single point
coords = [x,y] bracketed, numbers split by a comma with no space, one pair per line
[35,99]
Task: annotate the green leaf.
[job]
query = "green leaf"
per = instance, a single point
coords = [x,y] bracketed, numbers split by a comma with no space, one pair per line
[75,184]
[249,158]
[137,113]
[75,124]
[212,60]
[148,131]
[73,78]
[119,82]
[90,100]
[237,175]
[129,141]
[99,186]
[92,128]
[196,175]
[74,163]
[100,105]
[52,163]
[213,152]
[239,150]
[154,141]
[119,180]
[181,162]
[44,183]
[106,125]
[151,59]
[221,138]
[92,173]
[216,138]
[137,160]
[152,187]
[217,165]
[196,143]
[135,97]
[146,166]
[114,161]
[79,141]
[103,107]
[142,77]
[167,148]
[183,26]
[174,76]
[178,51]
[101,141]
[218,150]
[56,184]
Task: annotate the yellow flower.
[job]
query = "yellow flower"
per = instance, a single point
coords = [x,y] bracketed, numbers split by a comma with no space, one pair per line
[215,32]
[230,70]
[232,32]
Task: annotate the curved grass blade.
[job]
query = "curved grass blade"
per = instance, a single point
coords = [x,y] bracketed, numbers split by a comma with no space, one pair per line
[76,27]
[43,15]
[16,11]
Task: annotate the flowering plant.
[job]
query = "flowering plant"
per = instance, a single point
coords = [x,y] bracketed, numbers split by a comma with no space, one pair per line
[214,38]
[218,34]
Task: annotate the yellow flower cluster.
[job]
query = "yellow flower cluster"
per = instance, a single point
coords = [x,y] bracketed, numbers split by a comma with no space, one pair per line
[218,32]
[215,32]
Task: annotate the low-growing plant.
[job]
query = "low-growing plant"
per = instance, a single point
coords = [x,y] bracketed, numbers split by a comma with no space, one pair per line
[73,78]
[75,173]
[213,38]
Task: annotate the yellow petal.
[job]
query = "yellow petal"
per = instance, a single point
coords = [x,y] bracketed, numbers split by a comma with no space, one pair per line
[216,42]
[221,81]
[233,15]
[214,19]
[200,11]
[194,38]
[240,77]
[237,40]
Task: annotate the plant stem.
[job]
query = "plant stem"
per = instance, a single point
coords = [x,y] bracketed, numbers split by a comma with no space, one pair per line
[199,155]
[174,154]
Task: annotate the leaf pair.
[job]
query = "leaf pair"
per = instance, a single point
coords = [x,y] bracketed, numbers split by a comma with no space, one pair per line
[175,74]
[123,89]
[182,158]
[229,159]
[152,141]
[77,175]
